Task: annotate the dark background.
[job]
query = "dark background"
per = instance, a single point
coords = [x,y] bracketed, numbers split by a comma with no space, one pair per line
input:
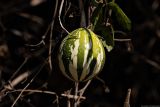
[134,64]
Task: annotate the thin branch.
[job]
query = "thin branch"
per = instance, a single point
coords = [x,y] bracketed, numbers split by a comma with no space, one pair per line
[104,84]
[13,83]
[19,68]
[83,90]
[46,32]
[85,87]
[151,62]
[67,94]
[17,80]
[127,100]
[35,45]
[43,38]
[56,100]
[122,40]
[73,96]
[15,101]
[120,32]
[69,6]
[34,91]
[51,34]
[60,10]
[28,84]
[68,103]
[76,93]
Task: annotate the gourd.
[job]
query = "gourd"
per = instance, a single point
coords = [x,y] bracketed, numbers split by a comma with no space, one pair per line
[81,55]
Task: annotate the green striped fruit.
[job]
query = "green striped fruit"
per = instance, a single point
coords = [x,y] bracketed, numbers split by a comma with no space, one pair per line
[81,55]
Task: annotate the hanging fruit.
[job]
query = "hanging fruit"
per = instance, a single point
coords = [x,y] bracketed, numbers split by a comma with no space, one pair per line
[81,55]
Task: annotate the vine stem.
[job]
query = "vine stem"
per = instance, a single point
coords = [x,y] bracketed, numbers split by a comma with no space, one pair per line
[76,93]
[60,10]
[51,34]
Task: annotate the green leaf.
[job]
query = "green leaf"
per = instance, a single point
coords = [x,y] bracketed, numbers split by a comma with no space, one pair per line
[122,18]
[96,16]
[107,37]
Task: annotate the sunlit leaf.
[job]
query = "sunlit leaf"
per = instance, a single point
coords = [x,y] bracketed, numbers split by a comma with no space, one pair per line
[122,18]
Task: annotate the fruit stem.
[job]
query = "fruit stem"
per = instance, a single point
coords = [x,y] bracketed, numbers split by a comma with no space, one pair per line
[76,93]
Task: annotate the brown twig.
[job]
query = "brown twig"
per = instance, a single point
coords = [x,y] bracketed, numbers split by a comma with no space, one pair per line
[33,91]
[14,82]
[36,91]
[28,84]
[82,91]
[17,80]
[73,96]
[19,68]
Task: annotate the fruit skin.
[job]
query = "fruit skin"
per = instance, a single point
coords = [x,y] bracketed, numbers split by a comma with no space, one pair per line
[81,55]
